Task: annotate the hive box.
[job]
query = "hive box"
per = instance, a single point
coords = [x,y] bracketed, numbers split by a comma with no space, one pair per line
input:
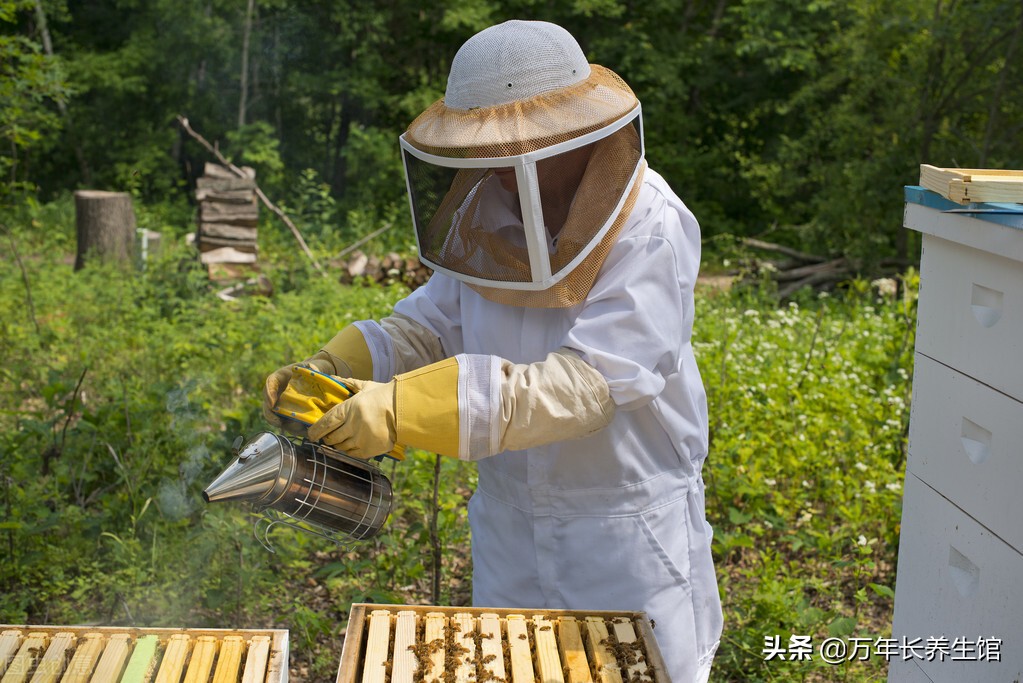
[397,642]
[90,654]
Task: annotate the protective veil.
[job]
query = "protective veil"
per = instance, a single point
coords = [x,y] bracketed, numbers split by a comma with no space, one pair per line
[520,179]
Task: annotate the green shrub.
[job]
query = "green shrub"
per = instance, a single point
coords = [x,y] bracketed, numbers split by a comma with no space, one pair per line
[809,411]
[123,390]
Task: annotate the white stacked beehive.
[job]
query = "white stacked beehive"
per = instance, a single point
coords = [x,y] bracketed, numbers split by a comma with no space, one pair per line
[959,591]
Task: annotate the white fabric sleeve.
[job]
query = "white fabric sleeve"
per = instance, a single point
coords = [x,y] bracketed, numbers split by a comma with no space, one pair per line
[507,406]
[637,320]
[413,345]
[436,307]
[421,328]
[399,344]
[381,349]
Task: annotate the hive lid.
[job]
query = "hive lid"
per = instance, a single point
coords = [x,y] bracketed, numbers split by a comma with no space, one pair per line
[1003,213]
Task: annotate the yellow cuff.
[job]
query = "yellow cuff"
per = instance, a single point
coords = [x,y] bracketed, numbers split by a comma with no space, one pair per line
[350,347]
[426,408]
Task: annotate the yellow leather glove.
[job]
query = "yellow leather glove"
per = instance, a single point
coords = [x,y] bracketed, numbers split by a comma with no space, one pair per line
[277,382]
[363,425]
[418,408]
[346,355]
[309,395]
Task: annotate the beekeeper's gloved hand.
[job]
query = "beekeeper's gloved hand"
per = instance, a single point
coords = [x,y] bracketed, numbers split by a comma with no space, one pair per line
[363,426]
[552,400]
[346,355]
[418,408]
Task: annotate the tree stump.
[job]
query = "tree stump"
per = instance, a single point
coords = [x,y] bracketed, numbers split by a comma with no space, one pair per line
[105,223]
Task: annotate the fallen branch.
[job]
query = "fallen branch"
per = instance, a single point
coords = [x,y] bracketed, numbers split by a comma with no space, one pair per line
[829,267]
[782,249]
[259,193]
[29,305]
[820,277]
[352,247]
[260,284]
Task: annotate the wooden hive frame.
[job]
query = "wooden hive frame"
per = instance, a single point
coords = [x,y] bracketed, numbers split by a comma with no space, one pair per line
[499,645]
[107,654]
[966,185]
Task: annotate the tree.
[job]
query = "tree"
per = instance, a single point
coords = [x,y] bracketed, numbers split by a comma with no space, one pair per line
[792,119]
[31,83]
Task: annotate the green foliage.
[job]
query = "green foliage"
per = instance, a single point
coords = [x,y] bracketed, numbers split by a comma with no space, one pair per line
[30,84]
[868,94]
[809,408]
[258,146]
[799,121]
[125,389]
[125,392]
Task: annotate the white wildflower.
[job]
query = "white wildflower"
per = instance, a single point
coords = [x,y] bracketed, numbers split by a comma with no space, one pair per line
[886,286]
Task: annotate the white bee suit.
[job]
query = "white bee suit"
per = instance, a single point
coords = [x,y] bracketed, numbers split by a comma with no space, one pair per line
[552,343]
[614,520]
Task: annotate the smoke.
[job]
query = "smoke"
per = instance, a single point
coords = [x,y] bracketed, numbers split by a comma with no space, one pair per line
[178,497]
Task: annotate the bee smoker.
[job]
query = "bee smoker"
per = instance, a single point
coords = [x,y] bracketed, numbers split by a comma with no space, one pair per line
[307,486]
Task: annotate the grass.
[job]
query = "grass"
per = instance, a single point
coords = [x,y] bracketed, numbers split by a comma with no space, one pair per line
[123,391]
[809,408]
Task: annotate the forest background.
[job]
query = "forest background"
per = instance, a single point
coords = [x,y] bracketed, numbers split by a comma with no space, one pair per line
[794,122]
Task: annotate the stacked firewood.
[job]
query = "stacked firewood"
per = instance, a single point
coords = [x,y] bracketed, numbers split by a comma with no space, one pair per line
[228,215]
[386,270]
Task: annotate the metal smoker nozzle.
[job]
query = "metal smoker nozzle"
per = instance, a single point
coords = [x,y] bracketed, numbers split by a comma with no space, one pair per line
[345,499]
[255,472]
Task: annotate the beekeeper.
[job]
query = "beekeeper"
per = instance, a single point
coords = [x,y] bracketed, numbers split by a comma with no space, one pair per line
[552,344]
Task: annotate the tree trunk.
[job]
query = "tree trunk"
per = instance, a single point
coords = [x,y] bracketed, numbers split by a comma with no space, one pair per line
[83,164]
[105,224]
[243,102]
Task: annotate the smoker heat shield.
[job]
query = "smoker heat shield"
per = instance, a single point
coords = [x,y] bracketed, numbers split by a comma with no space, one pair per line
[307,486]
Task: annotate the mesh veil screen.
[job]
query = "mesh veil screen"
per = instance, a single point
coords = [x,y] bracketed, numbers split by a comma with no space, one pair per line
[467,223]
[470,224]
[576,219]
[574,287]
